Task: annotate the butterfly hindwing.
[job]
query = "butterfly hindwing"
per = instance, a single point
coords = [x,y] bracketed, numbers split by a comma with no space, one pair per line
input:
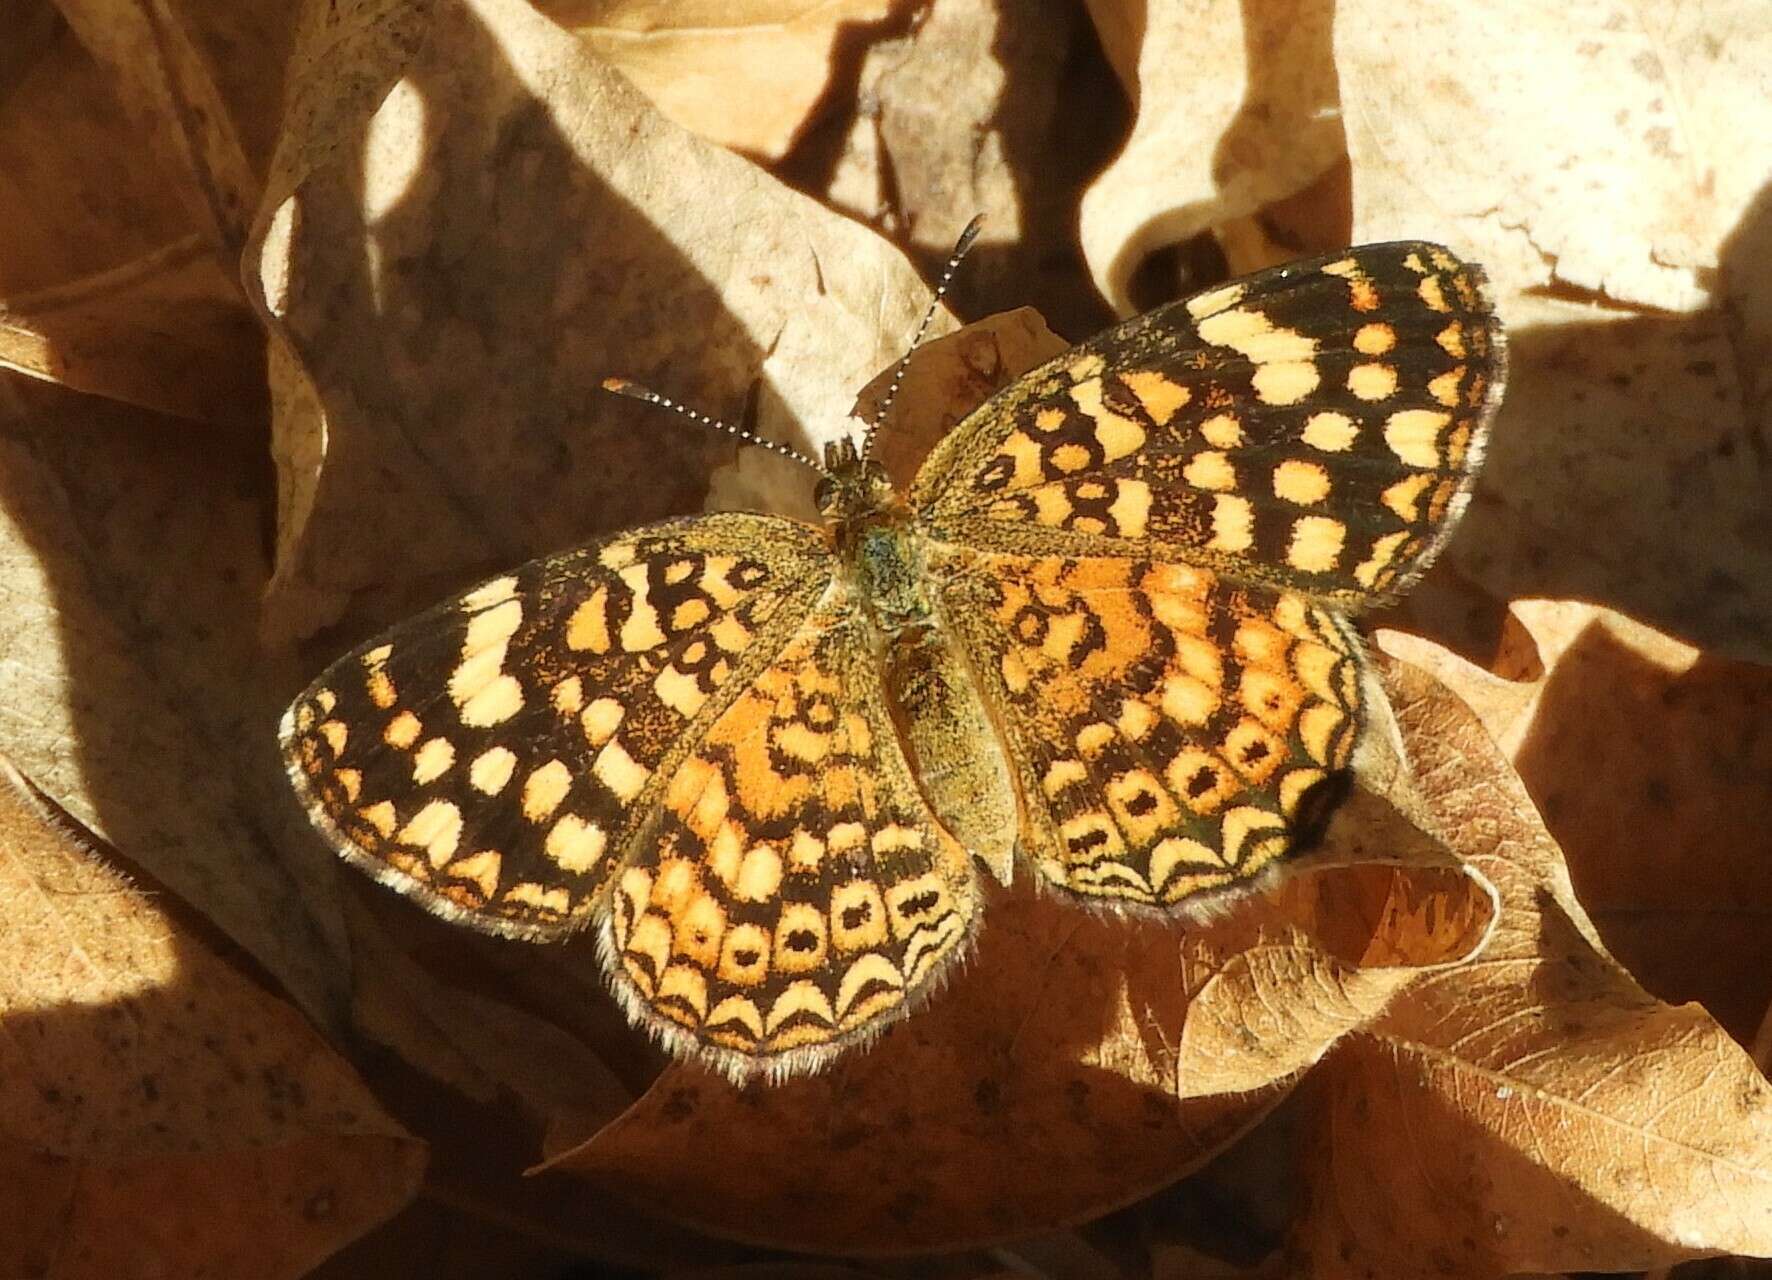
[1315,426]
[1172,733]
[493,756]
[792,892]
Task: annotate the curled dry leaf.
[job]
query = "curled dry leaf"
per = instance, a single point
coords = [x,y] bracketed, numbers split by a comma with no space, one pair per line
[1648,759]
[1252,120]
[1537,1110]
[747,74]
[465,233]
[1080,1059]
[162,1114]
[116,275]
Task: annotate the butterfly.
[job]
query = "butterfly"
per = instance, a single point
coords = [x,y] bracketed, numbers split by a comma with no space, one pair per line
[1103,637]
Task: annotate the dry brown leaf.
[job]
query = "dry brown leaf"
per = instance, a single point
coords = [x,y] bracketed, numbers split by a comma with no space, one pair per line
[1648,759]
[1537,1110]
[113,274]
[747,74]
[144,1082]
[463,235]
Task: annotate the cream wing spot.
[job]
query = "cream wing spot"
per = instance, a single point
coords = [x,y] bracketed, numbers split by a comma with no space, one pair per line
[575,844]
[544,789]
[1413,435]
[1329,432]
[432,761]
[601,719]
[619,771]
[436,829]
[1233,524]
[491,770]
[1316,544]
[1372,381]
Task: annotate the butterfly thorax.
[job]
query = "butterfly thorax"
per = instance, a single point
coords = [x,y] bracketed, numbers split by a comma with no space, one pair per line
[871,527]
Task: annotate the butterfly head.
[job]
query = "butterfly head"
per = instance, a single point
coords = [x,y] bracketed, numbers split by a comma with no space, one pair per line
[854,487]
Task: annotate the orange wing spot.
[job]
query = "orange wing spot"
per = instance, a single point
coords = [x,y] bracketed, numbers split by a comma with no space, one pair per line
[1404,497]
[1444,388]
[1374,339]
[1286,383]
[801,941]
[1239,824]
[1432,295]
[481,869]
[858,916]
[745,956]
[587,630]
[336,735]
[380,816]
[350,781]
[1451,340]
[1301,483]
[1317,728]
[1160,397]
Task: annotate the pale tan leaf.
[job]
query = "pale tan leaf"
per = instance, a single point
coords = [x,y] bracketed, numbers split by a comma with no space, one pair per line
[1604,148]
[747,74]
[462,236]
[1251,120]
[1535,1110]
[131,688]
[162,1114]
[979,110]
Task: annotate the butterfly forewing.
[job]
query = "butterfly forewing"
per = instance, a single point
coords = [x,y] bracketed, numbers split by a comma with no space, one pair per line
[1315,426]
[492,756]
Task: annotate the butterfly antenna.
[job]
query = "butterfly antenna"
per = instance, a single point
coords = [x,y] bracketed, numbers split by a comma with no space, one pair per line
[947,275]
[634,391]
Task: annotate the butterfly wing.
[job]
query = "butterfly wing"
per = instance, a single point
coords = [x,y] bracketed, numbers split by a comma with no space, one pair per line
[792,894]
[1145,546]
[1316,426]
[1171,733]
[493,757]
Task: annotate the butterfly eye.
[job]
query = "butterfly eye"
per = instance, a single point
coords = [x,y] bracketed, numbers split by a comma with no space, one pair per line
[822,496]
